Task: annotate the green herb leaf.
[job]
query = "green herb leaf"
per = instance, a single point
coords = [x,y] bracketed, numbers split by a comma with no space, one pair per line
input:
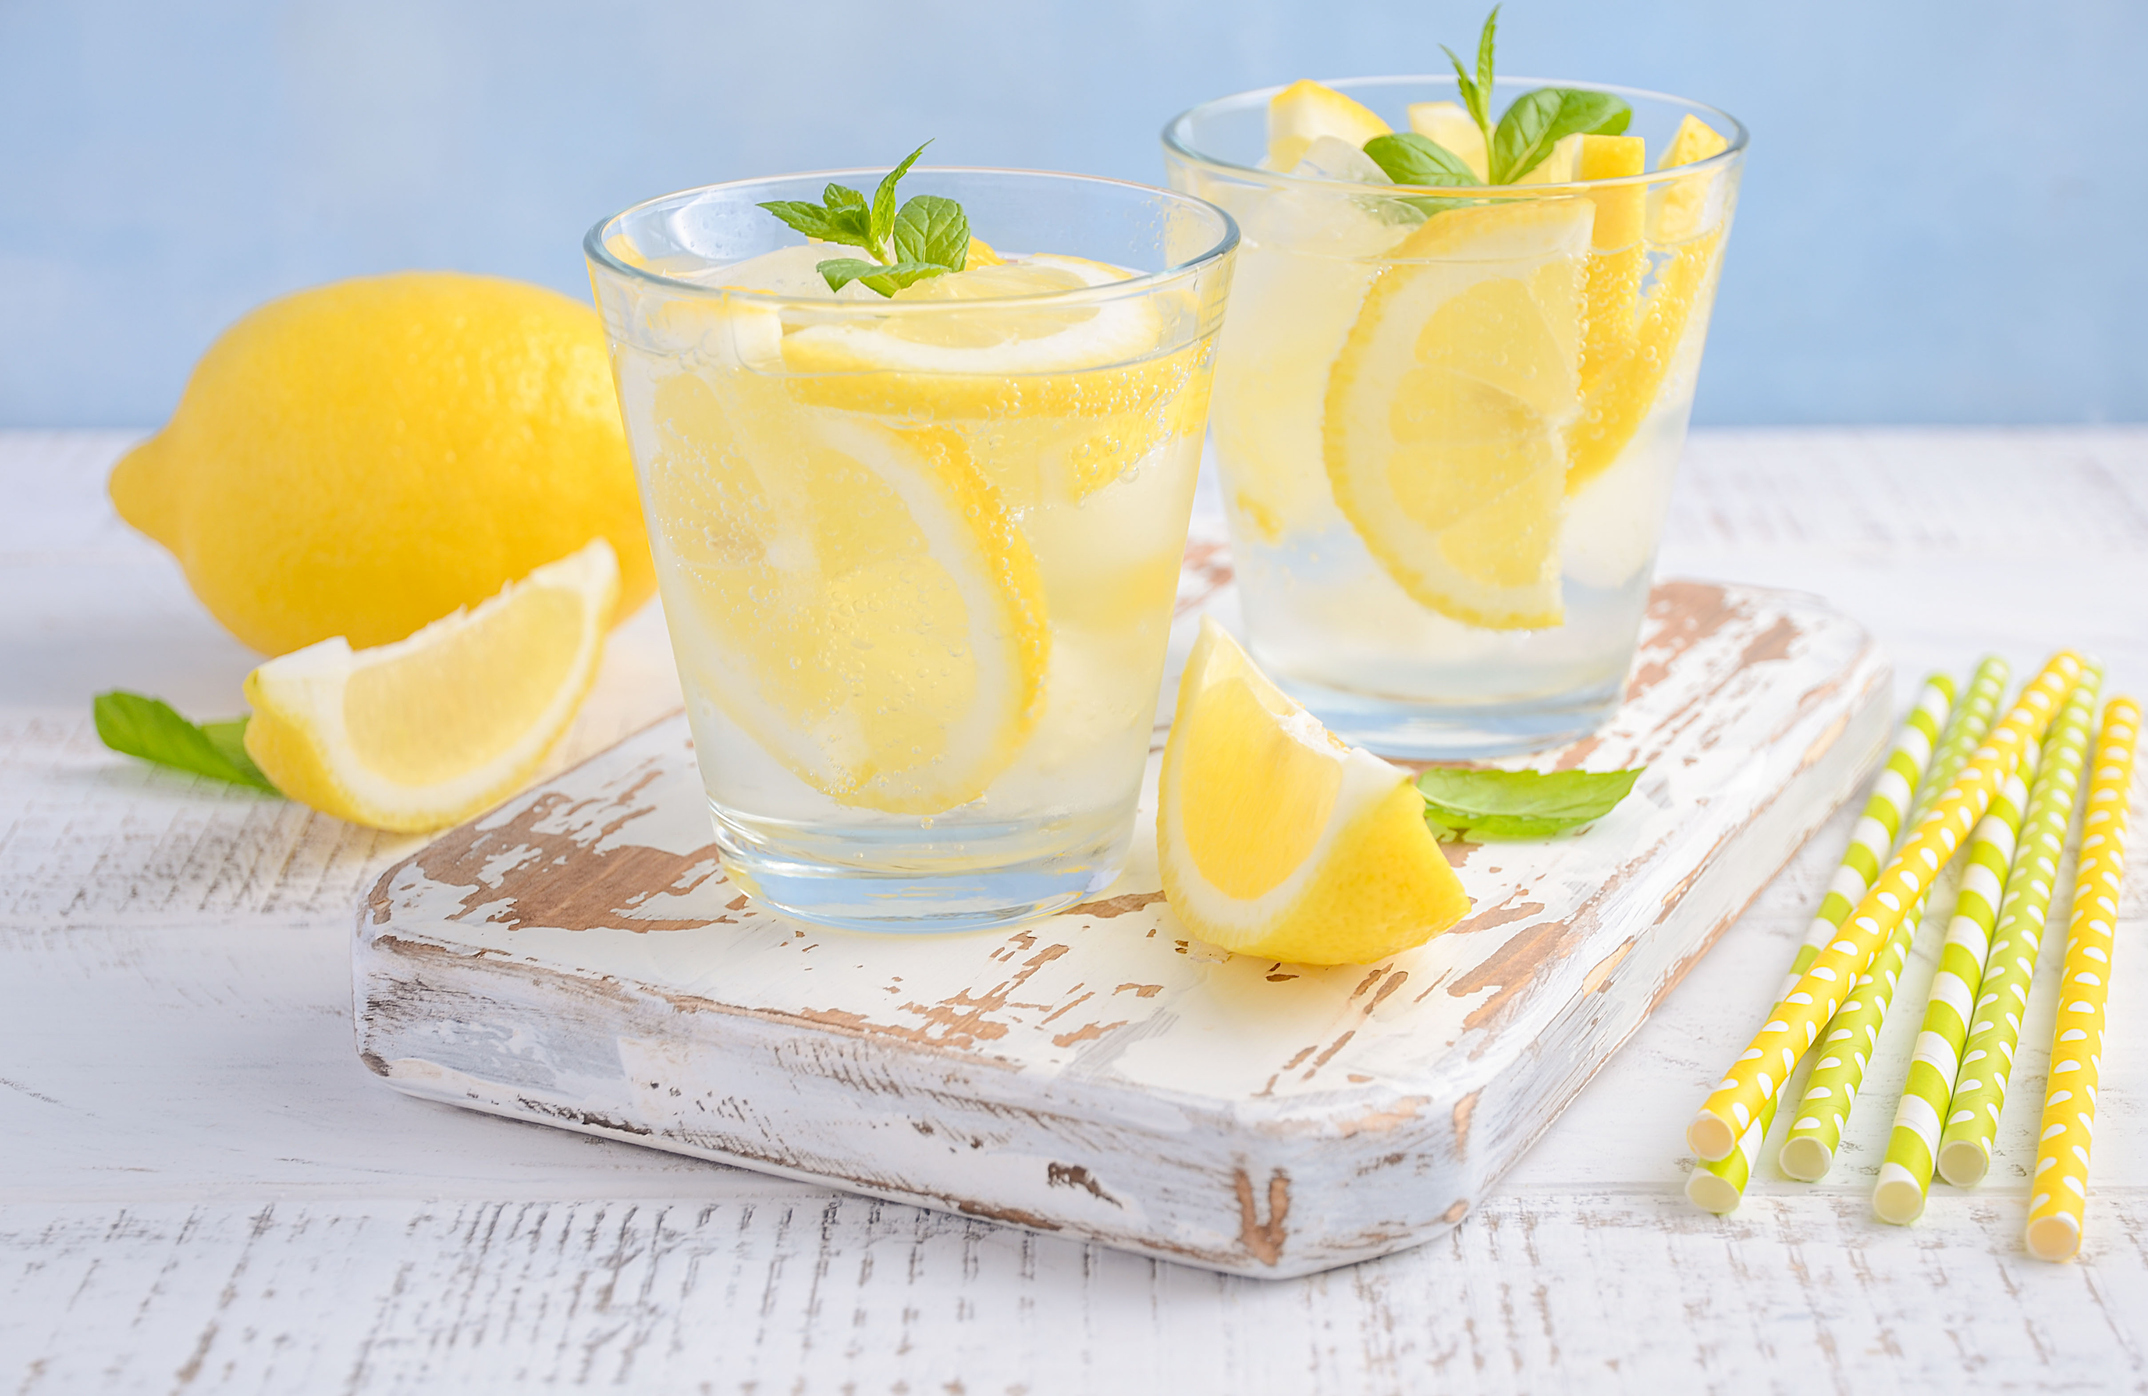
[1477,90]
[932,229]
[1408,158]
[848,218]
[1518,804]
[151,729]
[884,208]
[810,219]
[887,280]
[1538,120]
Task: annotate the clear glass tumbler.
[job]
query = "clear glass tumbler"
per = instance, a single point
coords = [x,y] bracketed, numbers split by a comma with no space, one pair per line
[918,554]
[1447,420]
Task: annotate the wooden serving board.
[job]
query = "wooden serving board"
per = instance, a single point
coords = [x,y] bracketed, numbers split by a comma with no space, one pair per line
[576,958]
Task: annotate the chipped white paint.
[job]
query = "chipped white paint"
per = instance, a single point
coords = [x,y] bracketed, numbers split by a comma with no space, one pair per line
[575,958]
[201,1188]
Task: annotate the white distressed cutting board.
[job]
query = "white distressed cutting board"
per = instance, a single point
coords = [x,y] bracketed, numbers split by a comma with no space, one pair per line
[576,958]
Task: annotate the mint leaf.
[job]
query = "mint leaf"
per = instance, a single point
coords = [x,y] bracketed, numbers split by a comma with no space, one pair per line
[933,229]
[810,219]
[151,729]
[1477,90]
[887,280]
[1408,158]
[884,207]
[1538,120]
[848,219]
[1518,804]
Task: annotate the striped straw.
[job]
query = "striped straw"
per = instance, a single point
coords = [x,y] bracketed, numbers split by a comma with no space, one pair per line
[1795,1023]
[1824,1110]
[1980,1090]
[1906,1173]
[1718,1185]
[2057,1210]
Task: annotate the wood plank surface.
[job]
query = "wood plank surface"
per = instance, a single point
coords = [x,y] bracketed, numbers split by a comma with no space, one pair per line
[202,1189]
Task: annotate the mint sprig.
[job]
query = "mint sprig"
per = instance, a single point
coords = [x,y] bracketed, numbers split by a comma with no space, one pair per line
[1408,158]
[1489,805]
[1532,124]
[927,236]
[152,729]
[1537,121]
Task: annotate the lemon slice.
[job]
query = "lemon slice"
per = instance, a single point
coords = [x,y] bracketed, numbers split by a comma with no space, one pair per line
[430,730]
[1058,398]
[1275,839]
[855,596]
[1448,407]
[1633,343]
[1305,111]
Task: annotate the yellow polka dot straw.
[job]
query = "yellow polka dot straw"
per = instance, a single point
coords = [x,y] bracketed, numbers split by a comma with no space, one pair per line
[1912,1146]
[1846,1046]
[1795,1023]
[2059,1186]
[1995,1027]
[1718,1186]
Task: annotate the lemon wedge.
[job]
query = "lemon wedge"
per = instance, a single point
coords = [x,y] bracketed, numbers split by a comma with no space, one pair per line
[1276,839]
[860,601]
[1450,125]
[430,730]
[1448,407]
[1634,340]
[1305,111]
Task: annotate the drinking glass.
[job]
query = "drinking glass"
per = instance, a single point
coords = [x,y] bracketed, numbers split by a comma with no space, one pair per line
[1447,420]
[918,554]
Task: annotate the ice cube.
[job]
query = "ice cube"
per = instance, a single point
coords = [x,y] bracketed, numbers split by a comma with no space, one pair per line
[1329,157]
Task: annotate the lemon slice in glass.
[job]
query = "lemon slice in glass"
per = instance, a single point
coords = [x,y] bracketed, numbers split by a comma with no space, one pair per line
[1276,839]
[1448,407]
[1305,111]
[854,595]
[428,731]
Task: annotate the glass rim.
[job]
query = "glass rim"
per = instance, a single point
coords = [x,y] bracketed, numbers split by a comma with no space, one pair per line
[1182,145]
[597,252]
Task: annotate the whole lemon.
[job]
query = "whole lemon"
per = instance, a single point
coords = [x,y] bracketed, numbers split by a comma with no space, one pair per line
[362,458]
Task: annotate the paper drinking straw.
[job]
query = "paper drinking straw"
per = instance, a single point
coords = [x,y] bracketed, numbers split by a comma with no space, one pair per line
[1906,1172]
[2060,1183]
[1980,1086]
[1846,1046]
[1717,1186]
[1795,1023]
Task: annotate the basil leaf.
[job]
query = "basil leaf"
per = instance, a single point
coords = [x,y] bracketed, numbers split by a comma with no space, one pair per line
[1475,98]
[932,229]
[153,730]
[883,215]
[1408,158]
[1518,804]
[887,280]
[1538,120]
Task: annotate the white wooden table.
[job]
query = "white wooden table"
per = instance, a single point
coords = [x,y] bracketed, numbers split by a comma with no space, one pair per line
[202,1189]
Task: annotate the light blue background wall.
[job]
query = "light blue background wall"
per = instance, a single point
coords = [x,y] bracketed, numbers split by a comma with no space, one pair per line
[1945,215]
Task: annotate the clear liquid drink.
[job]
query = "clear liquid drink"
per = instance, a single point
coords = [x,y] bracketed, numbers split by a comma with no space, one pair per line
[918,553]
[1447,421]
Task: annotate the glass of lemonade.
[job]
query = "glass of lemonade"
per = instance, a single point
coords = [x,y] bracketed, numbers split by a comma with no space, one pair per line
[1447,419]
[918,552]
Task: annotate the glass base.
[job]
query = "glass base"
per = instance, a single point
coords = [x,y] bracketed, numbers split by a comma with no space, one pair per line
[1455,732]
[922,881]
